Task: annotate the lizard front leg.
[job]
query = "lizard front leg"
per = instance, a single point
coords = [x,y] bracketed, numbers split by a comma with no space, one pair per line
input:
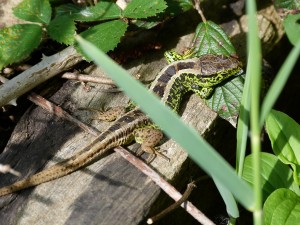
[111,114]
[149,137]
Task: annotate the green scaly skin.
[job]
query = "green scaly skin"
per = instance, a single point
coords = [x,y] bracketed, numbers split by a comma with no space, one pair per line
[199,75]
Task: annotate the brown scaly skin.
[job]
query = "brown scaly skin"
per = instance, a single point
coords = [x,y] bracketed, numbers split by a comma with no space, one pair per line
[199,75]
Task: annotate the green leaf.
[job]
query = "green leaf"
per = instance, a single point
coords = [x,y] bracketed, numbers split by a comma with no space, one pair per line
[274,174]
[284,134]
[139,9]
[17,42]
[105,36]
[68,9]
[197,148]
[282,208]
[101,11]
[185,5]
[292,27]
[62,29]
[176,7]
[34,11]
[230,202]
[212,39]
[226,99]
[287,4]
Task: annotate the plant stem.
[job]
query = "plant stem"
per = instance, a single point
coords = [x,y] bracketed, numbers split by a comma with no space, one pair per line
[254,71]
[243,128]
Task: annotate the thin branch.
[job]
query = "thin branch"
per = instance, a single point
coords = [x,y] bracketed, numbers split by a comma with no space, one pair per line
[88,78]
[12,101]
[185,196]
[163,184]
[7,169]
[198,8]
[142,166]
[58,111]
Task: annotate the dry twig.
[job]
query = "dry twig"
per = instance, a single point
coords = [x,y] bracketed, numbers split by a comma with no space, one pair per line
[174,206]
[88,78]
[7,169]
[56,110]
[198,8]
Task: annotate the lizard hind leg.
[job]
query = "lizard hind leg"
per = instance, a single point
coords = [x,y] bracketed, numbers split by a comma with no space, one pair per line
[149,137]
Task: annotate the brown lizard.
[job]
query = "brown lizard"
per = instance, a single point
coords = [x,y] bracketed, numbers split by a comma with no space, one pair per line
[199,75]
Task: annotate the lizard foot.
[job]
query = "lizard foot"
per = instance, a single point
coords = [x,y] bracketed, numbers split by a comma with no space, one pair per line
[149,137]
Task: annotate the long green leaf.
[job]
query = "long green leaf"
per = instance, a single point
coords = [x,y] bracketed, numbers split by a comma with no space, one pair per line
[198,149]
[278,83]
[243,127]
[254,74]
[231,205]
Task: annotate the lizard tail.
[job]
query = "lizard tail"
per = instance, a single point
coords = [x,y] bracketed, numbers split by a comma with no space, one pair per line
[59,170]
[36,179]
[114,136]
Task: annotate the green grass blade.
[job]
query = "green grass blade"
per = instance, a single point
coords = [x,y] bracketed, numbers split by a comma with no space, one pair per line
[242,128]
[254,73]
[278,83]
[231,206]
[173,126]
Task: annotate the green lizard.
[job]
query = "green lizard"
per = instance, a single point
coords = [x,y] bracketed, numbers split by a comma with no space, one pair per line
[199,75]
